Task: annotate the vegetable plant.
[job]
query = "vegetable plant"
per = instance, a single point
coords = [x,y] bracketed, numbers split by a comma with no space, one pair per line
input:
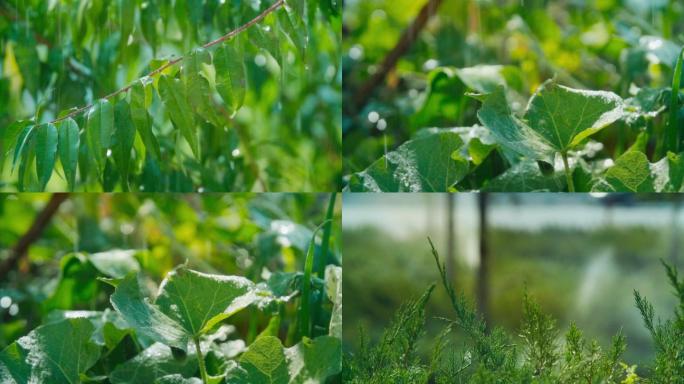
[108,318]
[516,96]
[537,354]
[178,96]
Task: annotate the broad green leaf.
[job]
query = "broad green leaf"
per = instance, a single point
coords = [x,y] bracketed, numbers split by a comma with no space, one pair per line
[564,117]
[144,317]
[510,132]
[526,176]
[188,304]
[152,364]
[46,152]
[68,149]
[99,129]
[22,143]
[443,104]
[230,75]
[142,120]
[482,78]
[429,163]
[174,98]
[310,361]
[109,327]
[122,142]
[197,88]
[557,119]
[198,301]
[53,353]
[631,173]
[115,263]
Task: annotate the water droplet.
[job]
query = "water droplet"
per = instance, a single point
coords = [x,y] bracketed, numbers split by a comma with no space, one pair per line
[373,117]
[14,310]
[5,302]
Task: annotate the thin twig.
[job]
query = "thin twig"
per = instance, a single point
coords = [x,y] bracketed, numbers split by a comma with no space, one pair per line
[32,234]
[405,42]
[221,39]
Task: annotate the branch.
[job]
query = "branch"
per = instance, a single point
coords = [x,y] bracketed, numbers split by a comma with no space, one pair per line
[41,221]
[407,39]
[157,71]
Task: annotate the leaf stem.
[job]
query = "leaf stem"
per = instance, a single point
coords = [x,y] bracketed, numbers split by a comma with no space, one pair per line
[200,360]
[568,174]
[157,71]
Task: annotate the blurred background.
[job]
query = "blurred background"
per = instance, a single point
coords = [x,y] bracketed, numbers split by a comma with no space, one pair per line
[65,242]
[581,256]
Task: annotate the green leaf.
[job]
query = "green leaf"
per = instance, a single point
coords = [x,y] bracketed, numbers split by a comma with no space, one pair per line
[197,88]
[142,120]
[68,149]
[526,176]
[429,163]
[310,361]
[22,140]
[230,75]
[122,142]
[152,364]
[510,132]
[564,117]
[144,317]
[631,173]
[198,301]
[115,263]
[557,119]
[99,129]
[173,96]
[46,152]
[188,305]
[54,353]
[11,134]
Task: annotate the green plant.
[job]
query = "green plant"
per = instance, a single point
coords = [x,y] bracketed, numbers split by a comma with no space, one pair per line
[526,96]
[183,71]
[537,355]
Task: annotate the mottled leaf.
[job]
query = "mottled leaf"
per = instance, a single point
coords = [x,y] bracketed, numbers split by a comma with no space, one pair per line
[429,163]
[53,353]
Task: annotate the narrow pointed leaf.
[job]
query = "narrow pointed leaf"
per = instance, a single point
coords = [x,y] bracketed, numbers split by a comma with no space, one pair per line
[46,152]
[124,136]
[142,120]
[68,149]
[197,87]
[230,76]
[173,96]
[99,130]
[54,353]
[22,142]
[11,134]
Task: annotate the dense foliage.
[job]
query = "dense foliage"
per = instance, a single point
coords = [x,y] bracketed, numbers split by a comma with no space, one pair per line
[535,355]
[276,318]
[515,96]
[177,95]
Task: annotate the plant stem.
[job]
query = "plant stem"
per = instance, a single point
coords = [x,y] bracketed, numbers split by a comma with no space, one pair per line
[568,173]
[200,360]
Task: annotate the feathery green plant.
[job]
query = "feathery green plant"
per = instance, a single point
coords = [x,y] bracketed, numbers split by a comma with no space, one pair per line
[537,355]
